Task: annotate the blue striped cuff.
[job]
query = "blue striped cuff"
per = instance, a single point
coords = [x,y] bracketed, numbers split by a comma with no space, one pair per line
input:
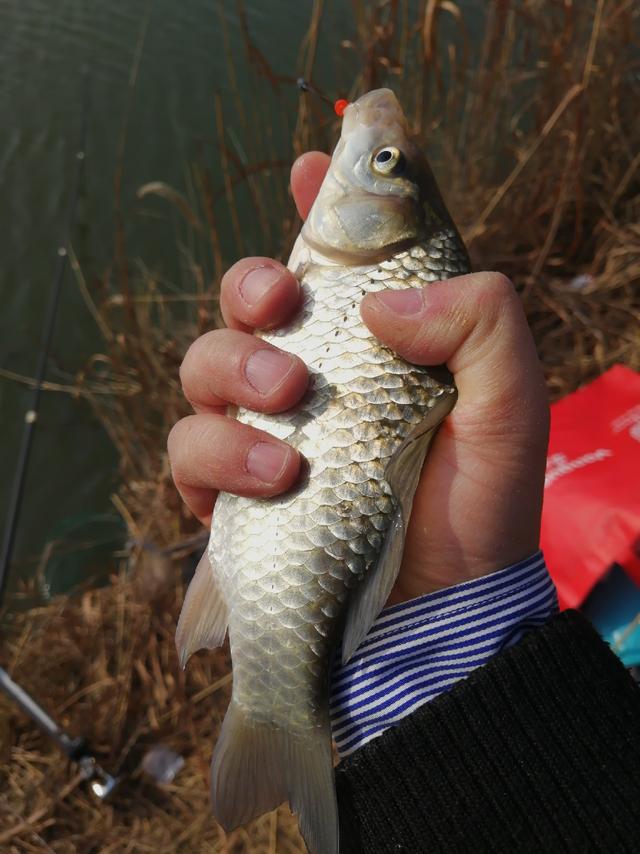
[418,649]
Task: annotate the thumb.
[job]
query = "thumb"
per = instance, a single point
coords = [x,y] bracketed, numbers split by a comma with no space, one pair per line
[475,325]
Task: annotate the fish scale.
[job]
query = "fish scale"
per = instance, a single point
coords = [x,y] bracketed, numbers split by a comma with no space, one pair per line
[272,541]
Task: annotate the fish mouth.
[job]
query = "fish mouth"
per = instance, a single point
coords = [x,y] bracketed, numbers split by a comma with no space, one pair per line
[377,109]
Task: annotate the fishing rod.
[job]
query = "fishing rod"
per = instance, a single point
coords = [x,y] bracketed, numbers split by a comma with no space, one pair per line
[31,414]
[338,106]
[102,783]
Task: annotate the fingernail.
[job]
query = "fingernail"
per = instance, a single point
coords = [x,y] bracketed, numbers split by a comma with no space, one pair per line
[267,461]
[266,369]
[402,302]
[257,282]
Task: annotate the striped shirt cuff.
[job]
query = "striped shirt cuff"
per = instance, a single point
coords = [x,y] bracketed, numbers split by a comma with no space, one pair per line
[418,649]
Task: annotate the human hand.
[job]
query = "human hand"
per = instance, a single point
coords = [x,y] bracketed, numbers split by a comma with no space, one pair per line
[478,504]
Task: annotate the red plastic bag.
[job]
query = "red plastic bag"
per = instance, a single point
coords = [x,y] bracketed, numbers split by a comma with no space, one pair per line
[591,513]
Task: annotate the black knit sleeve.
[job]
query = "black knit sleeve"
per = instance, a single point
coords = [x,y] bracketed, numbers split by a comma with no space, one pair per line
[539,750]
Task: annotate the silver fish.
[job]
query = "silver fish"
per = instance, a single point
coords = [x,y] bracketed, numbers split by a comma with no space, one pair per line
[289,574]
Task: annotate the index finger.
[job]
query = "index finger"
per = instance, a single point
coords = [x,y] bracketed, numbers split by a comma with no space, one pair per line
[307,174]
[260,293]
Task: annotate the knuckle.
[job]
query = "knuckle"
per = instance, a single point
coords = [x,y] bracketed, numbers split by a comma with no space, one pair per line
[191,446]
[175,443]
[199,356]
[185,434]
[498,287]
[413,342]
[192,357]
[493,305]
[184,371]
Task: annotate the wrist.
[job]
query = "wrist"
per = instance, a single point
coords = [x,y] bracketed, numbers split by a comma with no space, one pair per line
[453,566]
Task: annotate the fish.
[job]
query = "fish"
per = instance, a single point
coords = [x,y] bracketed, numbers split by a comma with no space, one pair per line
[299,578]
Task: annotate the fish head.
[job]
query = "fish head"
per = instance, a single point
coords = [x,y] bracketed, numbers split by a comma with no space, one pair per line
[379,194]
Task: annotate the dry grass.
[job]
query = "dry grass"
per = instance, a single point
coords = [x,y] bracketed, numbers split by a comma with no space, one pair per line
[105,662]
[534,136]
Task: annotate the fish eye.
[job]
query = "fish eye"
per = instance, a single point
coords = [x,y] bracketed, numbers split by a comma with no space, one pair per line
[388,160]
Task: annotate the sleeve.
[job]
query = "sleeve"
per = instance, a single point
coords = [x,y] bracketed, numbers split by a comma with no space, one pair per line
[536,750]
[418,649]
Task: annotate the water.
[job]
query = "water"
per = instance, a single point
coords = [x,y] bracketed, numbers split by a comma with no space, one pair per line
[44,46]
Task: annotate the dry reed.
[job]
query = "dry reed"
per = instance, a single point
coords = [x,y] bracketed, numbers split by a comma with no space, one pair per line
[533,133]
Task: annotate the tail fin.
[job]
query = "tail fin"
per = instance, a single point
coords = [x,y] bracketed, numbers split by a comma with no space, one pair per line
[256,767]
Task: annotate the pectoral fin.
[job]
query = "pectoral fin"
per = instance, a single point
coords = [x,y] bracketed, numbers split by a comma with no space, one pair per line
[203,619]
[402,473]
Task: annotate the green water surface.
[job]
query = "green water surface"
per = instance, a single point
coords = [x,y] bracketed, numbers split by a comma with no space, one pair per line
[183,61]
